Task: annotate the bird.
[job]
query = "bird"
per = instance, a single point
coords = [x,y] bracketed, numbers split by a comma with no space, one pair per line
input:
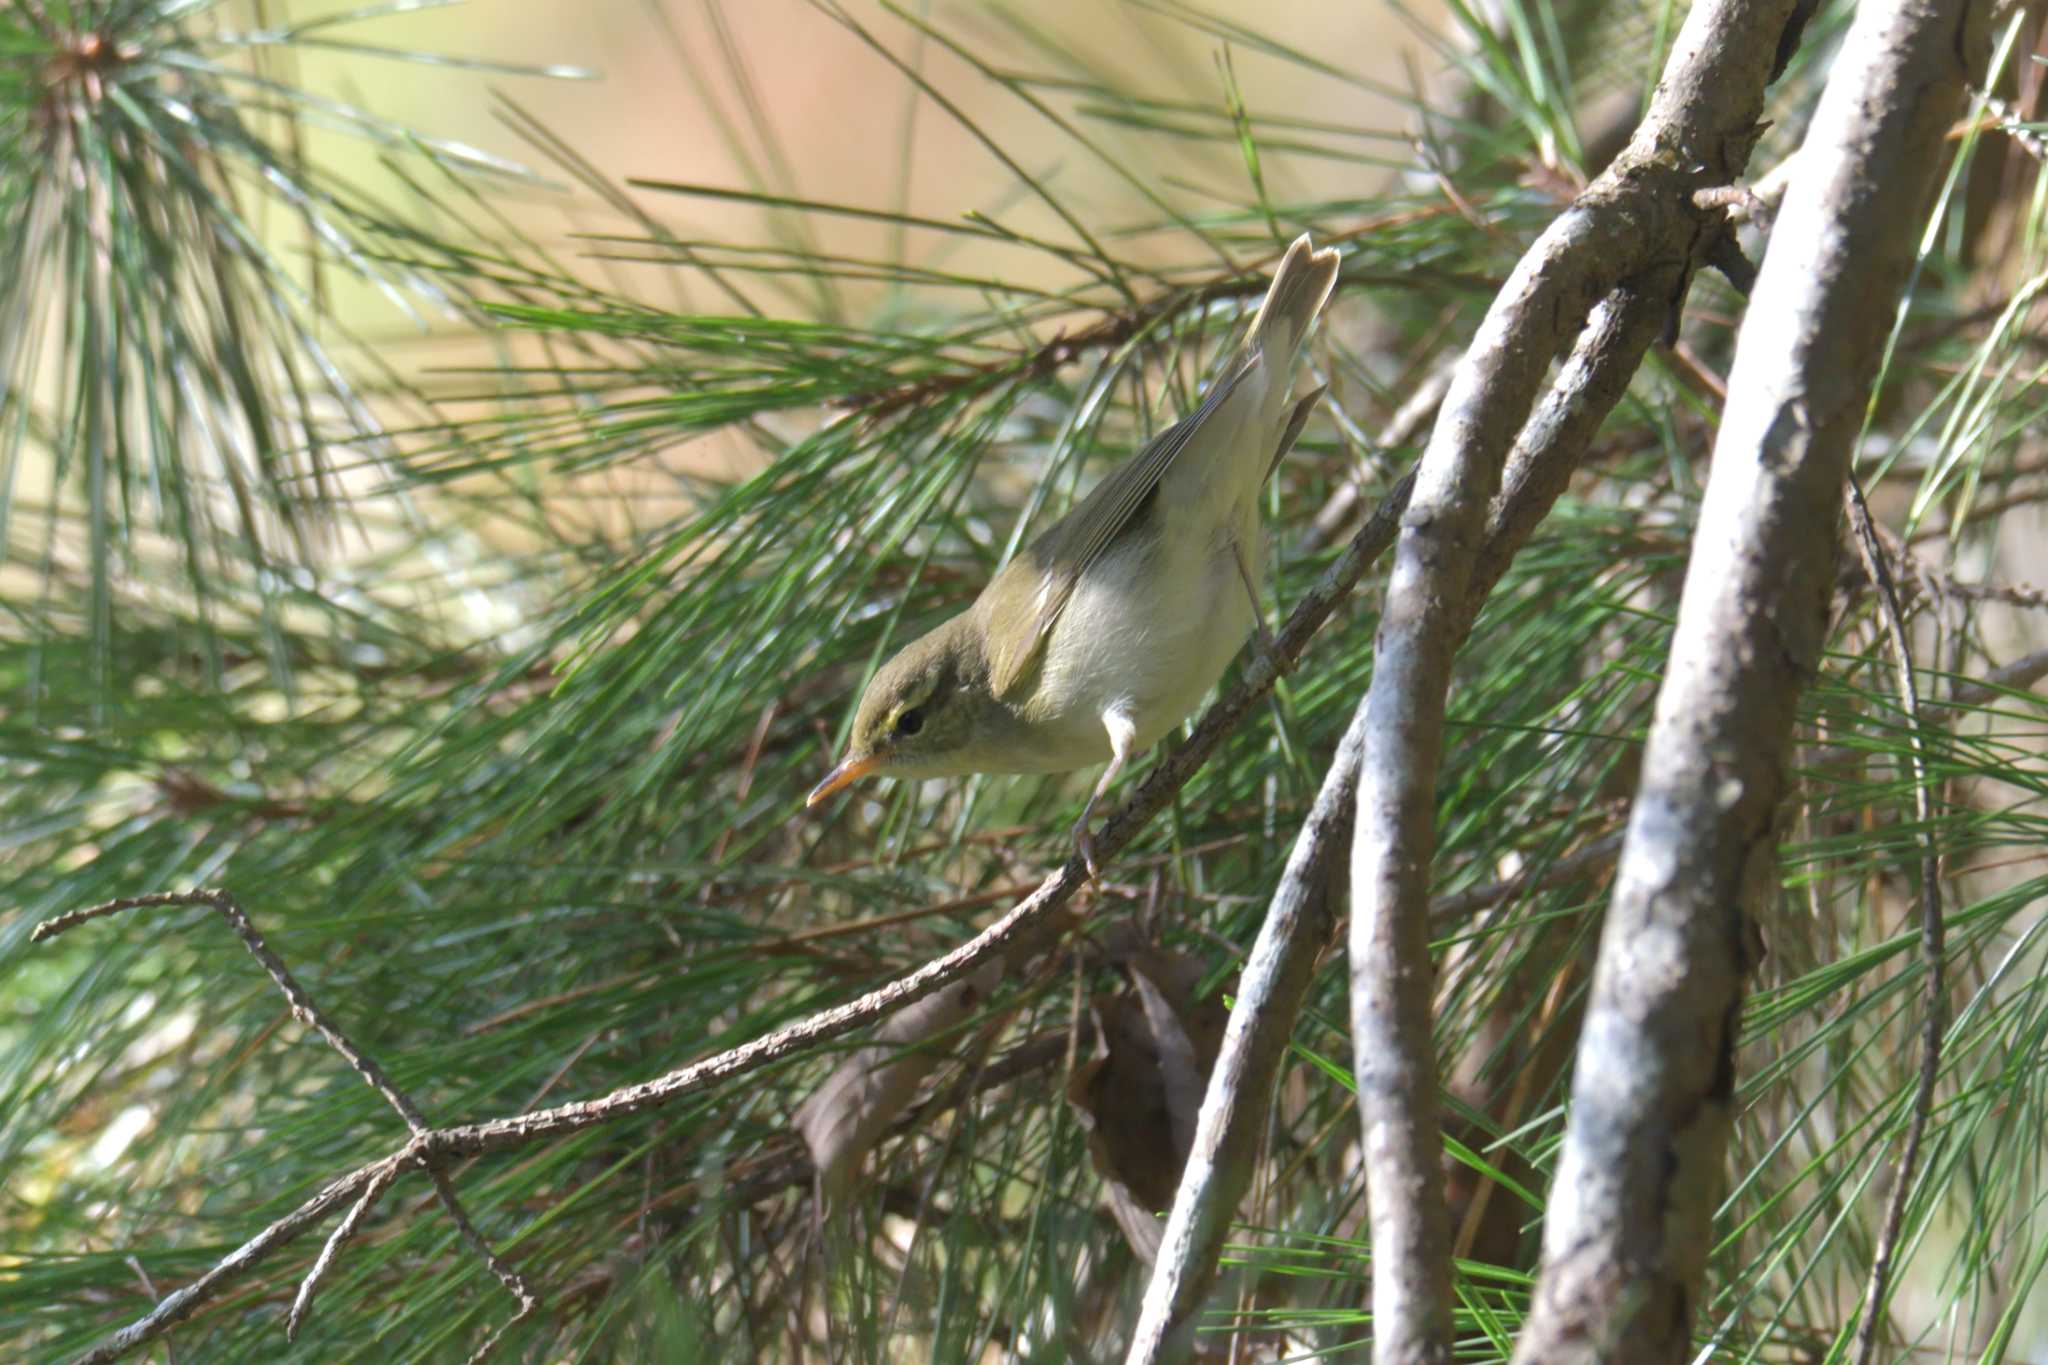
[1109,628]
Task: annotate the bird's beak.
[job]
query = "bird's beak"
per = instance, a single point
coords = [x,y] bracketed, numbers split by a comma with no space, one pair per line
[850,771]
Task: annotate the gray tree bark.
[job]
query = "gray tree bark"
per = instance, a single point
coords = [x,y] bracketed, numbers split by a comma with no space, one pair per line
[1631,1210]
[1624,246]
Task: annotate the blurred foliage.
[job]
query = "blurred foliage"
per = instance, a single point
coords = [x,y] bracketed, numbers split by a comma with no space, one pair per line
[521,806]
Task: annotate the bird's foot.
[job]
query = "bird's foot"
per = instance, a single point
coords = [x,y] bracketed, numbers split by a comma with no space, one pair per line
[1269,646]
[1122,730]
[1084,843]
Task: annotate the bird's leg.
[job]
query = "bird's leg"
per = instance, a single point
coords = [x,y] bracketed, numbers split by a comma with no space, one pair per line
[1244,576]
[1123,732]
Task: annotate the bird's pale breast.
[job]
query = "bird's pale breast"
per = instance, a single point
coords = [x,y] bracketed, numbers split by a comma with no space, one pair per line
[1150,642]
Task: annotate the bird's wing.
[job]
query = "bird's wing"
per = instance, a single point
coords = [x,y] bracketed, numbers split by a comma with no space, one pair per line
[1038,584]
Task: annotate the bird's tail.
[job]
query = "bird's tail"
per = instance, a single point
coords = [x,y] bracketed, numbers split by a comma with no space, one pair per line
[1300,287]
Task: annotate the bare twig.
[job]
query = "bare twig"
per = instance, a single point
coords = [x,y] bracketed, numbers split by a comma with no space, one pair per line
[1551,446]
[303,1008]
[1932,928]
[343,1230]
[515,1283]
[1234,1107]
[179,1304]
[436,1145]
[1916,576]
[149,1288]
[1630,1219]
[490,1343]
[306,1012]
[2020,674]
[2007,594]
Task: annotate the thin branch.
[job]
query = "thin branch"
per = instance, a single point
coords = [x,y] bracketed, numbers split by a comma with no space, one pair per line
[437,1145]
[149,1288]
[2008,594]
[1932,948]
[179,1304]
[303,1008]
[1234,1107]
[1916,574]
[1604,359]
[490,1343]
[343,1230]
[306,1012]
[2011,121]
[2019,675]
[515,1283]
[1630,1220]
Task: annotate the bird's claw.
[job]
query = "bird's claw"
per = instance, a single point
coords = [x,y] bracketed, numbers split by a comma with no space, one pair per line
[1269,645]
[1085,844]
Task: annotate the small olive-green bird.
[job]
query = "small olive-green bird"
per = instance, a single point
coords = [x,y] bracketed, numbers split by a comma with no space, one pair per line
[1106,632]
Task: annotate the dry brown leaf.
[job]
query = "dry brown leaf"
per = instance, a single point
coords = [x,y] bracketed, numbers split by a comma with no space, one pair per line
[1139,1095]
[845,1116]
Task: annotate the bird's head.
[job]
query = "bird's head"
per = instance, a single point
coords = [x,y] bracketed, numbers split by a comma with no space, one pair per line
[924,714]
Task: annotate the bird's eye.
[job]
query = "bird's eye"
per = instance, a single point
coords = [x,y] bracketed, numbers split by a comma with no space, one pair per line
[911,721]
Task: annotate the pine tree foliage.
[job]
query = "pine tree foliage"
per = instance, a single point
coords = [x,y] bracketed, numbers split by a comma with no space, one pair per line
[513,780]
